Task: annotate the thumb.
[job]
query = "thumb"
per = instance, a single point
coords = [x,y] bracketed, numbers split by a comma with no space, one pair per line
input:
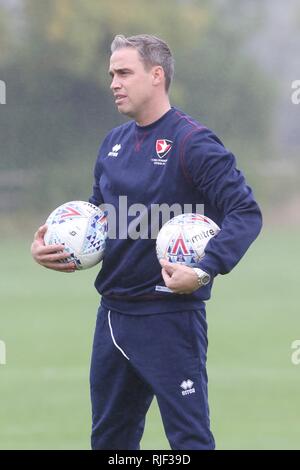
[169,267]
[39,235]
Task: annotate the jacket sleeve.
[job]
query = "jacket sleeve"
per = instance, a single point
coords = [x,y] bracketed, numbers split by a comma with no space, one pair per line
[212,170]
[96,197]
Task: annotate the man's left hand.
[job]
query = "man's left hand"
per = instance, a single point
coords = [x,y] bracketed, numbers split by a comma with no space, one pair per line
[179,278]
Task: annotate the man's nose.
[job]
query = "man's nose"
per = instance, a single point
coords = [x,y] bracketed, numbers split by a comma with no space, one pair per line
[115,84]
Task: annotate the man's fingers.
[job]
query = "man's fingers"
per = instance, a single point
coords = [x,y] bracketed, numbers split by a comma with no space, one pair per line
[169,282]
[55,256]
[39,235]
[50,256]
[58,250]
[163,262]
[169,267]
[166,276]
[62,267]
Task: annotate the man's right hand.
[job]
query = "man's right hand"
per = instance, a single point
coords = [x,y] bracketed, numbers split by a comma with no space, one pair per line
[50,256]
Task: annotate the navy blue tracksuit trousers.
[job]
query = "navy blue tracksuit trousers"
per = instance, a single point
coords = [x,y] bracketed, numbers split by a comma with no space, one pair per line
[138,356]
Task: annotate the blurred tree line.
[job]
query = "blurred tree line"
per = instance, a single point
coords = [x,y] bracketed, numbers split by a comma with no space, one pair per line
[54,60]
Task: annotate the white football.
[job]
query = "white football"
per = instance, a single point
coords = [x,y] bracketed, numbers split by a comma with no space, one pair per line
[183,239]
[82,228]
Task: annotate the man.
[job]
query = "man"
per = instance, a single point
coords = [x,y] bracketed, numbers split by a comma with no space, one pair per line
[151,331]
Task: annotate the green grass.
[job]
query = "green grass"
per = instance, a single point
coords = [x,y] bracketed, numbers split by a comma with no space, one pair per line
[47,321]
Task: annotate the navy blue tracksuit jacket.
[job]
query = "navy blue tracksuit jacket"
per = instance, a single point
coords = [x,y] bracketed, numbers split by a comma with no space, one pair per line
[174,160]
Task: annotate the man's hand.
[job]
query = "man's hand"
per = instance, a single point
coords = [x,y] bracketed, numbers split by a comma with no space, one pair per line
[50,256]
[179,278]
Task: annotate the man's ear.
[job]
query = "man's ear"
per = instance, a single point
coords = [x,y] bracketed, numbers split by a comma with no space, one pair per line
[158,75]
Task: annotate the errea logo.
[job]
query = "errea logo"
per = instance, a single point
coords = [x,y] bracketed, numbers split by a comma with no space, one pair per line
[115,150]
[187,386]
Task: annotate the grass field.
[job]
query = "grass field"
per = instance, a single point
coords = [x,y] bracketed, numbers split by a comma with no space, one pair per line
[47,321]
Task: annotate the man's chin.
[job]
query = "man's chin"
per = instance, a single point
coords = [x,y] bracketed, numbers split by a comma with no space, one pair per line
[125,111]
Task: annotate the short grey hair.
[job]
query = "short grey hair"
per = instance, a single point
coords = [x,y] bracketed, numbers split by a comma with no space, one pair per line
[152,51]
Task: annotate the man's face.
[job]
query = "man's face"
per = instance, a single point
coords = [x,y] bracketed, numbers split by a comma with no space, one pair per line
[132,85]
